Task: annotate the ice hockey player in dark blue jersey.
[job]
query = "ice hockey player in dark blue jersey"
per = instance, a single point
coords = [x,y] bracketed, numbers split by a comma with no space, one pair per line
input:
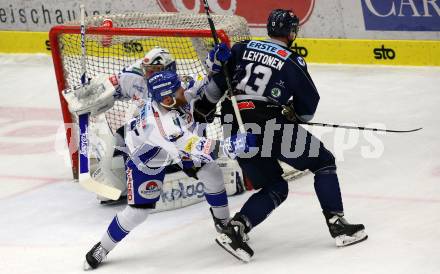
[275,91]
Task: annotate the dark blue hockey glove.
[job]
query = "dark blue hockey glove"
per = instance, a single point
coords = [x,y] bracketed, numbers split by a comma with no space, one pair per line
[218,55]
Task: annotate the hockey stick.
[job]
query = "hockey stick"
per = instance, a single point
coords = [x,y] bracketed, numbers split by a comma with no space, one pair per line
[84,178]
[359,128]
[351,127]
[344,126]
[225,71]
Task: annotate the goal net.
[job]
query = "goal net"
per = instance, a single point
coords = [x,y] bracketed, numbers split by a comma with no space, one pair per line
[113,46]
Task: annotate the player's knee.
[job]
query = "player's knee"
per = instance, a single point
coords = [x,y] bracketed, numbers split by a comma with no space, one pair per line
[212,177]
[132,216]
[278,191]
[325,163]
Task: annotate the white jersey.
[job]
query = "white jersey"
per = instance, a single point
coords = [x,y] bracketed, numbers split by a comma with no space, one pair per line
[169,135]
[130,83]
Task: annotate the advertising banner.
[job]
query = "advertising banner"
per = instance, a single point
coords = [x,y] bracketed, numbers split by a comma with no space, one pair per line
[401,15]
[37,15]
[255,11]
[364,19]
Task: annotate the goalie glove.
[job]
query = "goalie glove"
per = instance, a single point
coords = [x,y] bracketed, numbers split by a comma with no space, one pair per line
[218,55]
[239,144]
[95,97]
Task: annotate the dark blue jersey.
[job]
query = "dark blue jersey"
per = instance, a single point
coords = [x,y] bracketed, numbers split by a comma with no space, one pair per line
[267,69]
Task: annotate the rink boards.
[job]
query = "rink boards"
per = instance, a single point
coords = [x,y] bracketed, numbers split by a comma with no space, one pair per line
[331,51]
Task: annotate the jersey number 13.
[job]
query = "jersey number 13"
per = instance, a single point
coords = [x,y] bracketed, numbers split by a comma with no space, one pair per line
[256,79]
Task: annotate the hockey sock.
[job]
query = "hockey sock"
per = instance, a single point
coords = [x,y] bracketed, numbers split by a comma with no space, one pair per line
[327,190]
[219,204]
[212,177]
[122,224]
[261,204]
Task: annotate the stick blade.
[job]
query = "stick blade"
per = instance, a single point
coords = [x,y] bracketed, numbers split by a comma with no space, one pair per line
[100,189]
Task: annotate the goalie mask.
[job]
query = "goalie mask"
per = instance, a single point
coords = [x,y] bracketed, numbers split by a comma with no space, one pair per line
[283,23]
[157,59]
[163,86]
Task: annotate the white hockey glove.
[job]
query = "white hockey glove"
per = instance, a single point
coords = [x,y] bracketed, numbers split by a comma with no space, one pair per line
[95,97]
[218,55]
[239,144]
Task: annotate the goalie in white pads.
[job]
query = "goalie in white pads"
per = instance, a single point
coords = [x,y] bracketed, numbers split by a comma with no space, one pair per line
[164,133]
[107,165]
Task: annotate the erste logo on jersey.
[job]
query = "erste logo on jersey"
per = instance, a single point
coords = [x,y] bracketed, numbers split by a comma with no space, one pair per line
[256,17]
[269,48]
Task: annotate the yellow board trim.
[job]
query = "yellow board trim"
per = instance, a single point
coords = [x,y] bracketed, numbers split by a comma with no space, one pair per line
[24,42]
[332,51]
[378,52]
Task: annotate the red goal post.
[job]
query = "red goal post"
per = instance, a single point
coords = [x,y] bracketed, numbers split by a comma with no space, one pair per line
[111,48]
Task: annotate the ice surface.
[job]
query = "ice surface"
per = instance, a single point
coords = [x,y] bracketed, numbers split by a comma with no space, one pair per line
[48,223]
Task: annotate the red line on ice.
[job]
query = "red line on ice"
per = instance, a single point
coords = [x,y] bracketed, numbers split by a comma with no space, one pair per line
[45,181]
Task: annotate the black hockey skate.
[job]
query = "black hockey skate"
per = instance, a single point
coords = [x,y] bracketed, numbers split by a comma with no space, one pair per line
[344,233]
[233,239]
[95,257]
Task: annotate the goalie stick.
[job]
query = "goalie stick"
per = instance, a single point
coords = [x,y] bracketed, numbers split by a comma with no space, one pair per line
[84,178]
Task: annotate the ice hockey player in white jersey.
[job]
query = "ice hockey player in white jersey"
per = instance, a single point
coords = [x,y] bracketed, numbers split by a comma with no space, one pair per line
[162,134]
[129,84]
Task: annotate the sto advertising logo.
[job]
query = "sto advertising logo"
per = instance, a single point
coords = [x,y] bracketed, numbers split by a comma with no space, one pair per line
[401,15]
[256,17]
[384,53]
[301,51]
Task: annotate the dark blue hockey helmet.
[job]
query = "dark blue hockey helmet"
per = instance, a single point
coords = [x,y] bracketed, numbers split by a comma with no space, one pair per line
[281,23]
[162,84]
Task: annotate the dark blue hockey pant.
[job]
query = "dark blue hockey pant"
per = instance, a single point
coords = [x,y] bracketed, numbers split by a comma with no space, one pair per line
[303,151]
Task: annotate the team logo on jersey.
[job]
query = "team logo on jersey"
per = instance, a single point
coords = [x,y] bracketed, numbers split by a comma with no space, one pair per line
[275,92]
[301,61]
[150,189]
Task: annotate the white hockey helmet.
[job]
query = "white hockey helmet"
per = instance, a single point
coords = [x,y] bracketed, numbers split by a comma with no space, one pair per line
[157,59]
